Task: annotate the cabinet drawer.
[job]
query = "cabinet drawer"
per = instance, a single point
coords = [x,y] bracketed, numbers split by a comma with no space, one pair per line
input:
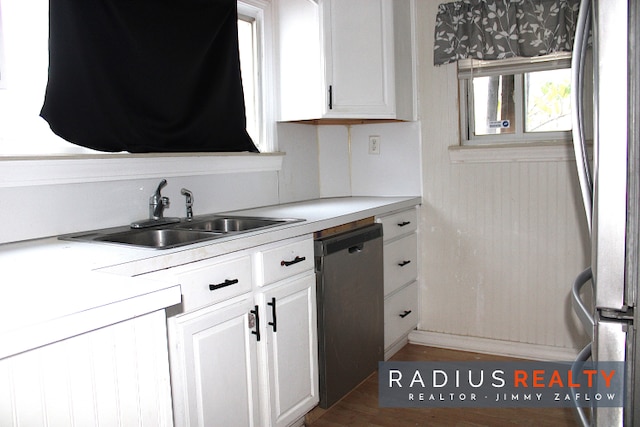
[400,313]
[210,281]
[398,224]
[284,260]
[400,263]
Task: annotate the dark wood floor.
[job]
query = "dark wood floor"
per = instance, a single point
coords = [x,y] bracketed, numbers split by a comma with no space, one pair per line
[360,407]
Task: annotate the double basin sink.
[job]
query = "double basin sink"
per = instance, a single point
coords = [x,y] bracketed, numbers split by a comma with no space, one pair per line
[182,232]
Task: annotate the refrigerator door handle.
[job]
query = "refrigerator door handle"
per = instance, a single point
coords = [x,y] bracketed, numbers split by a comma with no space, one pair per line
[578,305]
[583,27]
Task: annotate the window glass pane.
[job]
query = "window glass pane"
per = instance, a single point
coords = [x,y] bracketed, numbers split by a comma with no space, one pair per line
[548,102]
[494,105]
[246,39]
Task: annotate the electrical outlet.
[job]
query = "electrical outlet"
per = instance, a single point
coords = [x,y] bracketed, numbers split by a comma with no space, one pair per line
[374,144]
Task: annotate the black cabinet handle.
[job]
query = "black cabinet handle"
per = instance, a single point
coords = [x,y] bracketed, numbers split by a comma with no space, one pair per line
[223,284]
[405,314]
[295,261]
[256,313]
[273,313]
[403,223]
[330,97]
[403,263]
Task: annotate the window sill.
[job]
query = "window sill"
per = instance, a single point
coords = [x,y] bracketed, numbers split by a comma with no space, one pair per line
[32,171]
[522,152]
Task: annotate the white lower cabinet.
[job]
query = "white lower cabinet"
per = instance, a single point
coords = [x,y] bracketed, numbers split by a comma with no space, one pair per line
[288,349]
[214,366]
[400,278]
[243,350]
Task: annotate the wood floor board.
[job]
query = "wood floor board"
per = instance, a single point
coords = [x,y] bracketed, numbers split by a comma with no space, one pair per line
[360,407]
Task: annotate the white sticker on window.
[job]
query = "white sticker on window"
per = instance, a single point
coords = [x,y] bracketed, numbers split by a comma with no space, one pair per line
[499,124]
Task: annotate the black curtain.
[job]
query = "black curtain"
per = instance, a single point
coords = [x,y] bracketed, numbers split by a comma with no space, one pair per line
[146,76]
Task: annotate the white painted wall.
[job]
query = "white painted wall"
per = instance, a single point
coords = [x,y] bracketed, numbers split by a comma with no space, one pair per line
[299,178]
[501,243]
[334,161]
[347,168]
[393,172]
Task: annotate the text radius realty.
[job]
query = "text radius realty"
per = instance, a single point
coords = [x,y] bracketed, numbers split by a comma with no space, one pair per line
[537,378]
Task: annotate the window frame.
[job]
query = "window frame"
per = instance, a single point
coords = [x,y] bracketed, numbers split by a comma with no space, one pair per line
[260,12]
[469,69]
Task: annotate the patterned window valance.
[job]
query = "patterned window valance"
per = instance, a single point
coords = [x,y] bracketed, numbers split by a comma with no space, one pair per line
[498,29]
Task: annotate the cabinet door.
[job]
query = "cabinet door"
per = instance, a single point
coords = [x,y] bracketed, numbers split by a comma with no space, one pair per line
[359,54]
[300,60]
[214,366]
[289,348]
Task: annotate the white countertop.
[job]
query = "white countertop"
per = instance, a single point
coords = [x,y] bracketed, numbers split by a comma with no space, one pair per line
[53,289]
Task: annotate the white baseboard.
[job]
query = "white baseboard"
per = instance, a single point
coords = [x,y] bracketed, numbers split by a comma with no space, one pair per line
[393,349]
[491,346]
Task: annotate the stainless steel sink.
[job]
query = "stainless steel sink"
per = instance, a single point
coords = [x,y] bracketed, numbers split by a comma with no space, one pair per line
[167,236]
[232,224]
[159,238]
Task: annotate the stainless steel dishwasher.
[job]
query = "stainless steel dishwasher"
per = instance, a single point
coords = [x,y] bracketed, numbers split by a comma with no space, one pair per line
[349,275]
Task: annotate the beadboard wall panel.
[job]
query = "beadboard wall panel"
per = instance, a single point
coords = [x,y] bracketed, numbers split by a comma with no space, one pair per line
[118,375]
[501,242]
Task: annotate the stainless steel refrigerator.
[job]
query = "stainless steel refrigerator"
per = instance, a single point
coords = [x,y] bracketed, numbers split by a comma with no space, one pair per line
[609,182]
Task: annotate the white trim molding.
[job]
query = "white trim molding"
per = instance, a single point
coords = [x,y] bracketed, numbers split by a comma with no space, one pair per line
[492,346]
[52,170]
[518,152]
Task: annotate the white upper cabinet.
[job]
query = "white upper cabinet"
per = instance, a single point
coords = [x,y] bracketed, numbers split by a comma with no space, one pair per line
[358,41]
[346,59]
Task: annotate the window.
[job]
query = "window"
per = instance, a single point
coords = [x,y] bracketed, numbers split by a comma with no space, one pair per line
[23,78]
[254,25]
[248,69]
[515,100]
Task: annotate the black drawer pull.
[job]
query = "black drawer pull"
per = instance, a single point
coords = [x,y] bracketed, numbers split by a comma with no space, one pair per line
[223,285]
[403,263]
[405,314]
[295,261]
[274,324]
[255,312]
[404,223]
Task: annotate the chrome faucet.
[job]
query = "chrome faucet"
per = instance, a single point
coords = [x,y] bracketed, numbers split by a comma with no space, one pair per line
[157,202]
[189,202]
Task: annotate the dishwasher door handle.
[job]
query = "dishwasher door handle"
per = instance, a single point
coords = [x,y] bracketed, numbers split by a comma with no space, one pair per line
[356,248]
